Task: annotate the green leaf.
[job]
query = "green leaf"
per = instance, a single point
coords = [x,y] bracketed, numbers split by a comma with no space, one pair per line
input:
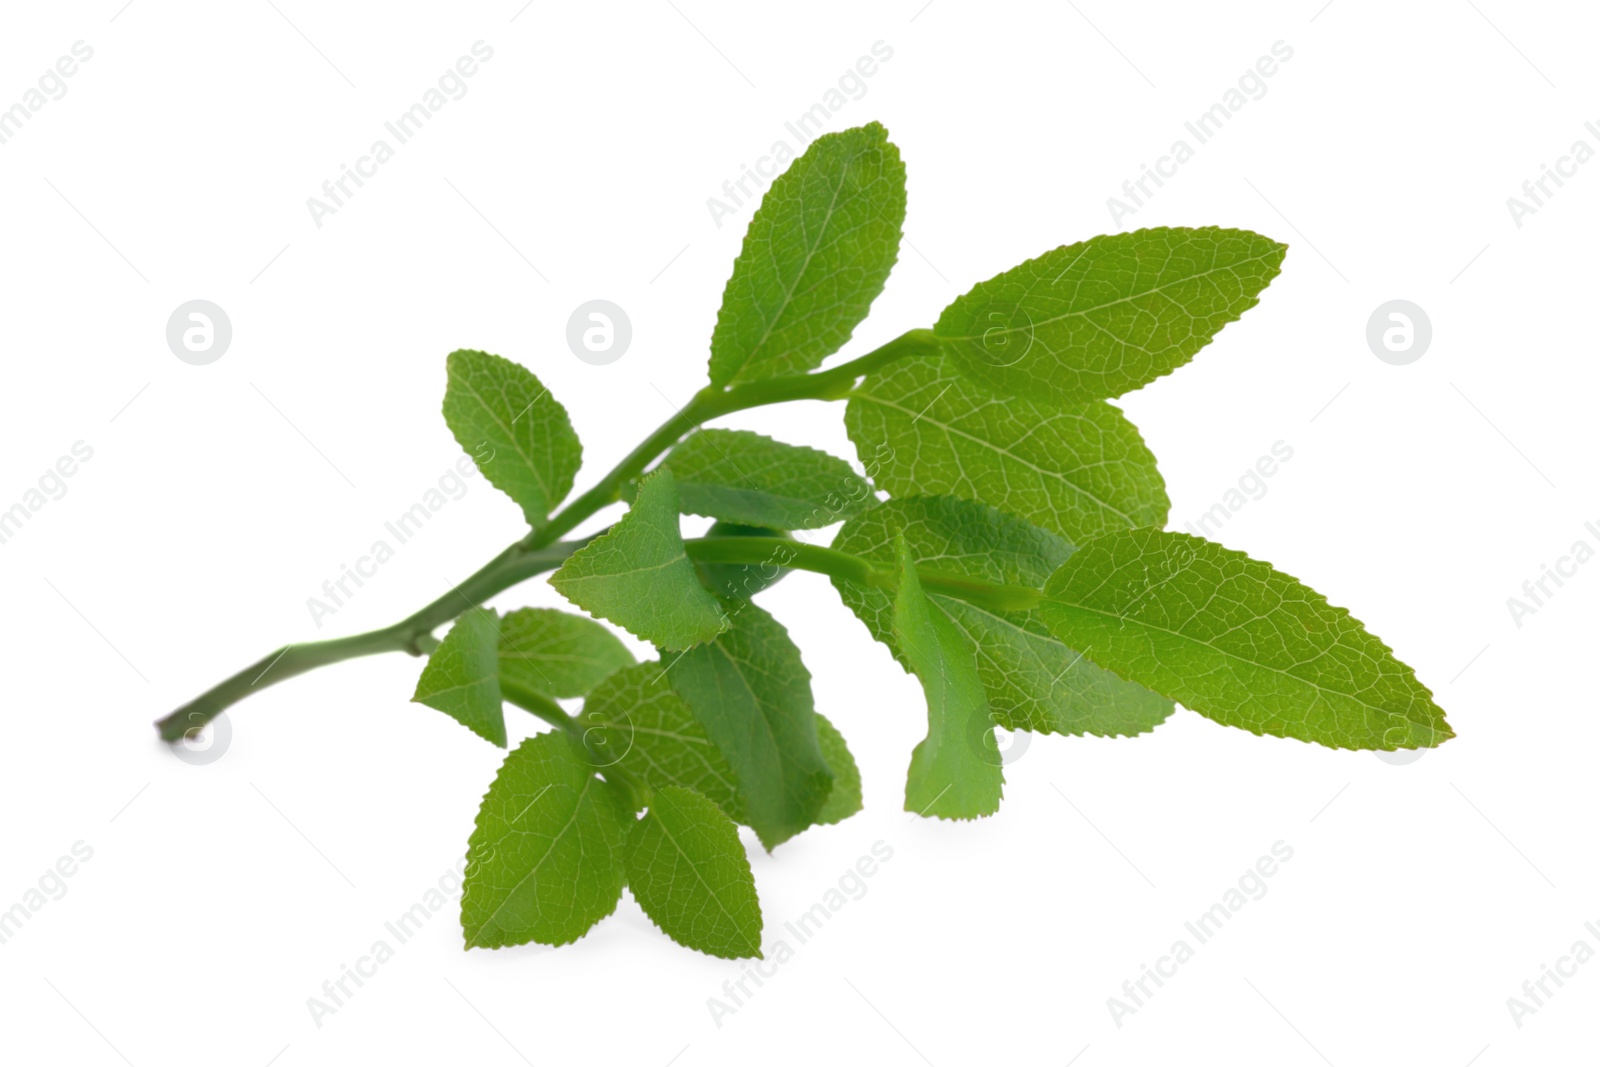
[545,860]
[844,800]
[690,874]
[816,255]
[1033,679]
[743,477]
[955,771]
[739,581]
[752,694]
[1105,316]
[637,575]
[1077,471]
[462,678]
[633,720]
[1238,641]
[516,432]
[557,653]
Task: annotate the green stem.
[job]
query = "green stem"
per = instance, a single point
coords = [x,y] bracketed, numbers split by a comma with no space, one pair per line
[412,634]
[541,550]
[531,700]
[784,552]
[710,403]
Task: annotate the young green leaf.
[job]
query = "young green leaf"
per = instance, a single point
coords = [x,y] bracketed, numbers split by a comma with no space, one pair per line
[545,860]
[636,574]
[462,678]
[633,720]
[518,433]
[690,874]
[1034,680]
[1238,641]
[743,477]
[752,694]
[557,653]
[1105,316]
[1079,471]
[844,799]
[739,581]
[816,255]
[953,774]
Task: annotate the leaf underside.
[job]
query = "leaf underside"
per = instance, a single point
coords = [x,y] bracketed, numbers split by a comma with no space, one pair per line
[1034,680]
[743,477]
[955,771]
[844,799]
[752,693]
[462,677]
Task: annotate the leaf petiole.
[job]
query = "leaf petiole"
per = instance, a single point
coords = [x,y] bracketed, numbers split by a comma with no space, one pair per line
[784,552]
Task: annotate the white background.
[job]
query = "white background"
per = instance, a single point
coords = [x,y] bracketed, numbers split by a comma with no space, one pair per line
[577,166]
